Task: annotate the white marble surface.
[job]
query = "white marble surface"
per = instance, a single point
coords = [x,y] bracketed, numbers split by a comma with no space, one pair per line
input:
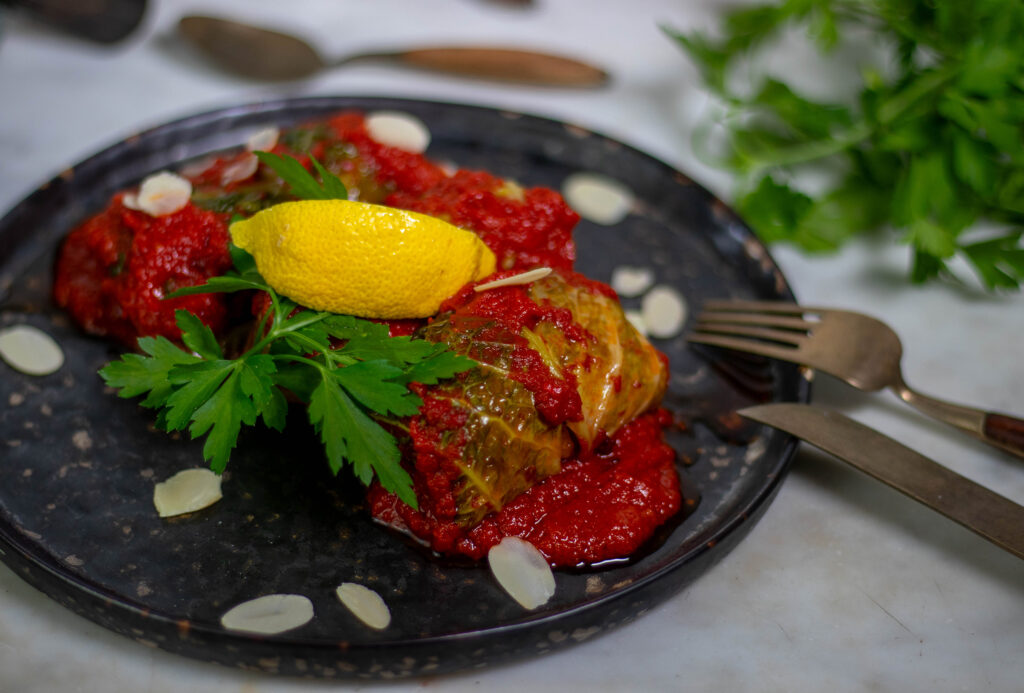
[844,585]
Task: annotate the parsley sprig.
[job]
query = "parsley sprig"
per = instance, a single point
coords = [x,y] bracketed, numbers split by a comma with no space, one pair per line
[352,375]
[928,146]
[349,389]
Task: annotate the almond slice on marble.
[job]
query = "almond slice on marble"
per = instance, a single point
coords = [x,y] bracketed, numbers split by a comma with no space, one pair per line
[522,571]
[30,350]
[187,491]
[270,614]
[400,130]
[368,606]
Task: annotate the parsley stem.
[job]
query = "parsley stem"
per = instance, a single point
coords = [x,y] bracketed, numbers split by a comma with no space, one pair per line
[328,355]
[278,317]
[397,423]
[279,329]
[302,359]
[862,130]
[922,87]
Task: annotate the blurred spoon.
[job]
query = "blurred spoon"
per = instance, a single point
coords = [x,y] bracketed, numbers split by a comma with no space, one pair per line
[270,55]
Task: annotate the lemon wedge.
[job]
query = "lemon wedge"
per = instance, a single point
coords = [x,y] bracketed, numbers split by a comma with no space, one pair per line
[362,259]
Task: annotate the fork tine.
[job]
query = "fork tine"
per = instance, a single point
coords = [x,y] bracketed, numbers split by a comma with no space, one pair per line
[753,332]
[778,307]
[767,319]
[747,345]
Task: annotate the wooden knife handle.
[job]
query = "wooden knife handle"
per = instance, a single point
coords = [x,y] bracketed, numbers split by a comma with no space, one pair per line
[1008,431]
[505,64]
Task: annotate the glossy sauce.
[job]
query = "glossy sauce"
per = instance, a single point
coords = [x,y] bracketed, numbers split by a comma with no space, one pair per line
[602,506]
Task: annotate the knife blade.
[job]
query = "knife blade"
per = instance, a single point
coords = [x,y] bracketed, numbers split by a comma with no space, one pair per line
[977,508]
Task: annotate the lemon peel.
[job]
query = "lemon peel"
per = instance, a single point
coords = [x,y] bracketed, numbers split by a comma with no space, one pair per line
[362,259]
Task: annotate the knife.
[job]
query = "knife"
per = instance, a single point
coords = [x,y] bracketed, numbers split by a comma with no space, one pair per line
[980,510]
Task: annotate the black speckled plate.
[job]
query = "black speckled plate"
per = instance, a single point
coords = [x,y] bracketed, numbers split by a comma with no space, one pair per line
[79,464]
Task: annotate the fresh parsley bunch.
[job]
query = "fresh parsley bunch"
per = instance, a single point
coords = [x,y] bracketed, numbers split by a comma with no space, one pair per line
[929,148]
[352,375]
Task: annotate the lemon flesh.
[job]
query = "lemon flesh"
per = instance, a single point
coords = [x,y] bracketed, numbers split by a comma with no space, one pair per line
[362,259]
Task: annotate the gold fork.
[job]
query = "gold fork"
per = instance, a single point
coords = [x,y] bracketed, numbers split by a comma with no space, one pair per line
[853,347]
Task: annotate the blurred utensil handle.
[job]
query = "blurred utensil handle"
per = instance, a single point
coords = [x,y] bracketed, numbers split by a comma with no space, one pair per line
[507,64]
[980,510]
[103,21]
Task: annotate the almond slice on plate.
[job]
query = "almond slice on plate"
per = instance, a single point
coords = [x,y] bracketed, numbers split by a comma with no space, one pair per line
[399,130]
[160,194]
[632,281]
[636,319]
[242,168]
[270,614]
[30,350]
[263,140]
[598,198]
[368,606]
[522,571]
[516,279]
[187,491]
[664,312]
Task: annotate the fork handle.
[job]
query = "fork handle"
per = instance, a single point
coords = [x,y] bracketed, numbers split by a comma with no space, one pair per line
[1008,431]
[1002,430]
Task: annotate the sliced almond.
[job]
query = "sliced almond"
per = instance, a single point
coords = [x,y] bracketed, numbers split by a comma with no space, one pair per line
[161,194]
[270,614]
[522,571]
[367,605]
[636,319]
[30,350]
[196,168]
[241,169]
[516,279]
[598,198]
[664,312]
[632,281]
[397,129]
[187,491]
[263,140]
[131,201]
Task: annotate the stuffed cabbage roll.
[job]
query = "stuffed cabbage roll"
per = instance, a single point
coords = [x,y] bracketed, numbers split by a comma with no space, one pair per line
[561,369]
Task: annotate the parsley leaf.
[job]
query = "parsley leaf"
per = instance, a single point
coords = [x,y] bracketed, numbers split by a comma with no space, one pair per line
[222,416]
[923,151]
[197,336]
[194,383]
[301,181]
[351,386]
[372,384]
[136,374]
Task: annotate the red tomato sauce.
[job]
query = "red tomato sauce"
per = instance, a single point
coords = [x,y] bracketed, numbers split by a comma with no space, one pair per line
[115,270]
[601,506]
